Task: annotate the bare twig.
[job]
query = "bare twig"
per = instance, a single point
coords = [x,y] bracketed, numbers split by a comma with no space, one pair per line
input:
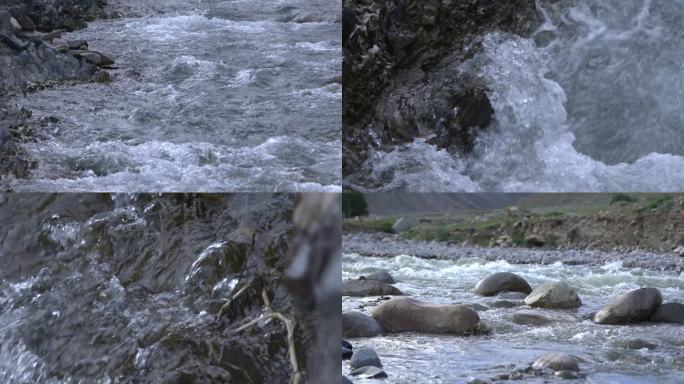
[224,307]
[289,326]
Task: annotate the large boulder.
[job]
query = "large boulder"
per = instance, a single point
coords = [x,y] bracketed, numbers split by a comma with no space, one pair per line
[669,313]
[357,324]
[557,361]
[363,287]
[633,306]
[365,357]
[407,314]
[555,296]
[381,276]
[500,282]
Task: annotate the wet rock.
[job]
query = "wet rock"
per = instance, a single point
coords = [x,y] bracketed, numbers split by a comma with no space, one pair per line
[369,373]
[538,317]
[407,314]
[347,344]
[93,57]
[633,306]
[557,361]
[361,288]
[500,282]
[553,295]
[357,324]
[365,357]
[404,224]
[669,313]
[535,241]
[345,380]
[381,276]
[478,381]
[479,307]
[13,42]
[60,45]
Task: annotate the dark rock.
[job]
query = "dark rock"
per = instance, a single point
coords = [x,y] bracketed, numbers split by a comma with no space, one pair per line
[502,281]
[557,361]
[345,380]
[555,296]
[365,357]
[347,344]
[633,306]
[669,313]
[26,23]
[357,324]
[93,57]
[399,77]
[369,373]
[381,276]
[360,288]
[347,353]
[407,314]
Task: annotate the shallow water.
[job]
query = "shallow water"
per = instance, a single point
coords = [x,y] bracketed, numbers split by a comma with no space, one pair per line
[412,357]
[228,96]
[590,102]
[125,288]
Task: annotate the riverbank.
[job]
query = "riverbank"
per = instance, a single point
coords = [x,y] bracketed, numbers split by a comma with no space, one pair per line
[612,224]
[34,57]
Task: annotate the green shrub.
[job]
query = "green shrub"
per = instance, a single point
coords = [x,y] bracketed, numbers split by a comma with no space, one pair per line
[622,198]
[658,203]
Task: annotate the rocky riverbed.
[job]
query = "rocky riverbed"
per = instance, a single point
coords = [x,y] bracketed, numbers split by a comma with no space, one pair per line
[386,245]
[564,329]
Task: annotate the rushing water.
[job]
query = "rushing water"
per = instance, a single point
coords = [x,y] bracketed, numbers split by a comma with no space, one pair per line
[591,102]
[229,96]
[423,358]
[125,289]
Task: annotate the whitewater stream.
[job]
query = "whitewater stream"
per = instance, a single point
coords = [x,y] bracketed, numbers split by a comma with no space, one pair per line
[125,288]
[591,102]
[605,359]
[227,96]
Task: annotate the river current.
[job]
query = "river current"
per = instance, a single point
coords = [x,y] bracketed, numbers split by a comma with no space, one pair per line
[589,102]
[220,96]
[423,358]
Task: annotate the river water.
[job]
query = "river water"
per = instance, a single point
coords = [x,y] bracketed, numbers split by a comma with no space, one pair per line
[423,358]
[227,95]
[125,288]
[590,102]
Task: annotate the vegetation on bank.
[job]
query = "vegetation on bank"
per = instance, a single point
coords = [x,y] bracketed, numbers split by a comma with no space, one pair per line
[648,221]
